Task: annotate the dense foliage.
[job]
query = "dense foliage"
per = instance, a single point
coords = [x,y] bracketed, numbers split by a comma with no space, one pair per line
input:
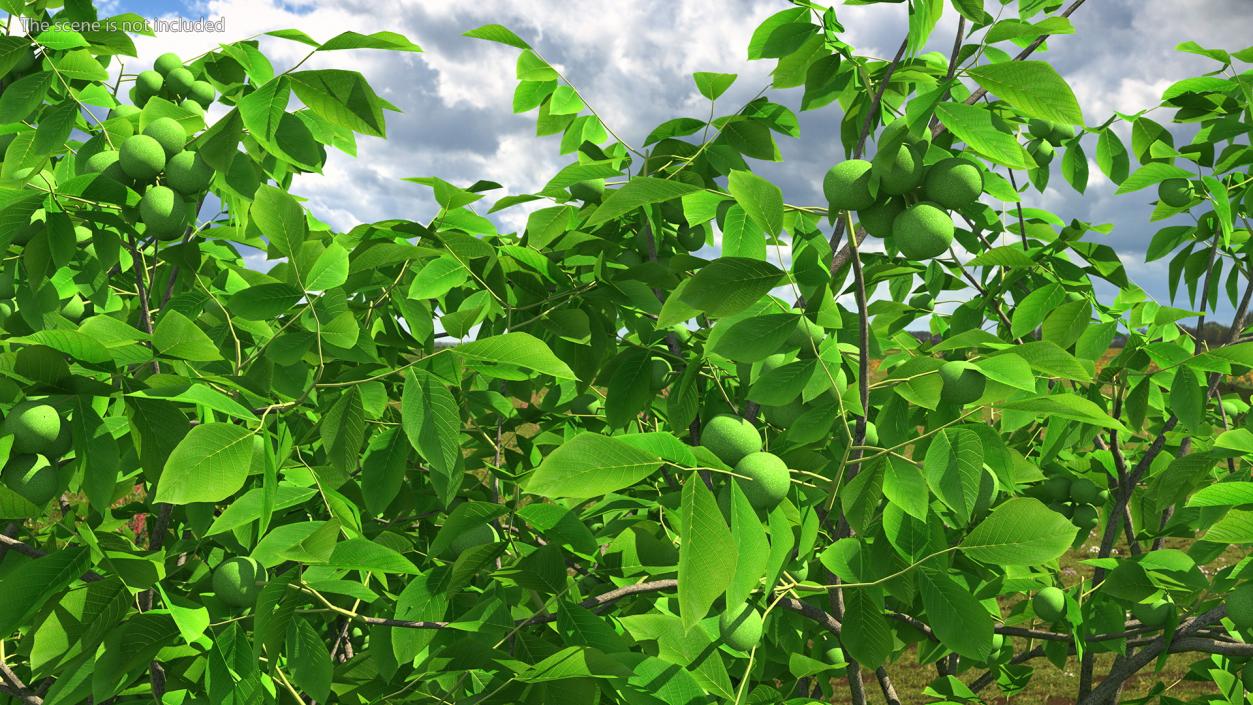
[678,441]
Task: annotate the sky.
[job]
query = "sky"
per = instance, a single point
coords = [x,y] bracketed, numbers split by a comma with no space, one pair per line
[632,61]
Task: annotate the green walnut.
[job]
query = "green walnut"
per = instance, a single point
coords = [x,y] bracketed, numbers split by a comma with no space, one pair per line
[769,479]
[1085,517]
[963,382]
[847,186]
[877,219]
[1049,604]
[1153,614]
[1061,133]
[105,163]
[1056,488]
[179,81]
[168,133]
[166,63]
[34,426]
[901,171]
[237,581]
[730,438]
[1042,152]
[1084,491]
[922,231]
[127,112]
[659,374]
[187,173]
[63,443]
[1240,606]
[740,627]
[148,83]
[691,238]
[953,183]
[783,415]
[1176,193]
[1040,128]
[162,212]
[834,656]
[142,158]
[32,476]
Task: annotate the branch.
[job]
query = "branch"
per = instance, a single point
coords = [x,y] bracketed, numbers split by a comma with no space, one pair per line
[885,684]
[877,101]
[1181,637]
[841,256]
[1027,51]
[12,685]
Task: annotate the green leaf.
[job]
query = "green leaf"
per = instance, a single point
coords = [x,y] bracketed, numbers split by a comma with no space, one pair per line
[30,584]
[1223,494]
[248,508]
[639,191]
[308,660]
[499,34]
[263,109]
[630,387]
[707,552]
[591,465]
[367,556]
[762,200]
[329,270]
[1067,406]
[342,98]
[1111,156]
[15,506]
[210,464]
[1187,399]
[438,277]
[574,662]
[263,301]
[1065,323]
[516,349]
[178,336]
[1075,166]
[712,85]
[958,619]
[780,34]
[973,125]
[923,16]
[1034,88]
[280,219]
[954,470]
[1021,531]
[866,634]
[1151,174]
[378,40]
[757,337]
[752,549]
[23,96]
[343,429]
[729,285]
[905,486]
[432,422]
[1234,528]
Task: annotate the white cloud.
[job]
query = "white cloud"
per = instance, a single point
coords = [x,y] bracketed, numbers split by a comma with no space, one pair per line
[632,62]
